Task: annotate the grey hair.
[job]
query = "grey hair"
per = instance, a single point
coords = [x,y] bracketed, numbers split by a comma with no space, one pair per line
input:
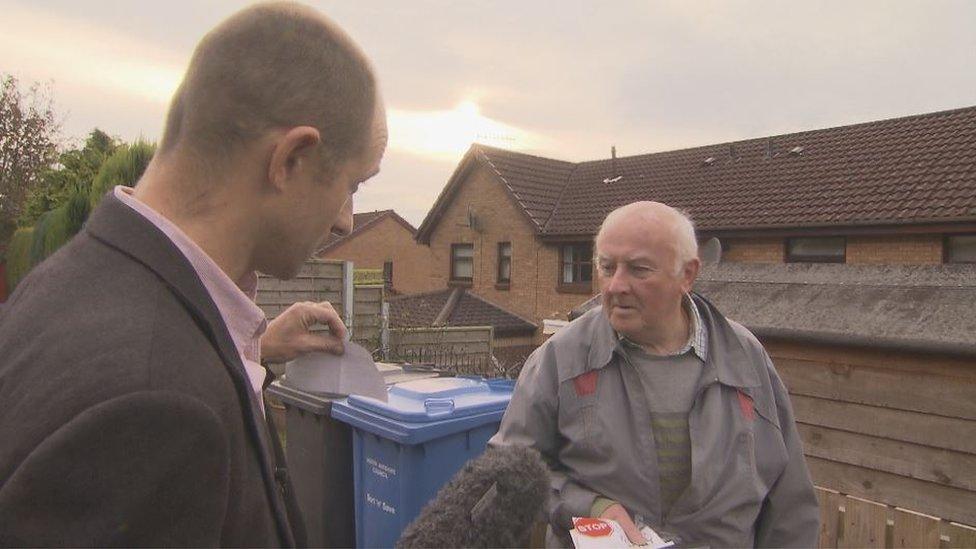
[684,239]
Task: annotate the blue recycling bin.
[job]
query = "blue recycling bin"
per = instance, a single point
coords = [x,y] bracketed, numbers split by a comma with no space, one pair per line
[406,449]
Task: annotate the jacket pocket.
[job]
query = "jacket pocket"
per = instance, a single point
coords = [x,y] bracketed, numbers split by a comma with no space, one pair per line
[579,420]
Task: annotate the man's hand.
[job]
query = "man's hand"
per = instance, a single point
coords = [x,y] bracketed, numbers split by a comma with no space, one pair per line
[288,335]
[618,513]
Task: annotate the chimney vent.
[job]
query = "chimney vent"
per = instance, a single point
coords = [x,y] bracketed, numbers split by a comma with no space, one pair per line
[613,167]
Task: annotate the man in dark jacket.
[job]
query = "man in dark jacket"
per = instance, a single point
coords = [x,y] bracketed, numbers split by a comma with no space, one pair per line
[130,377]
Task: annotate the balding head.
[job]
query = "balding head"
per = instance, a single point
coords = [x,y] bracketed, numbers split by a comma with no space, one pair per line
[273,66]
[655,216]
[646,264]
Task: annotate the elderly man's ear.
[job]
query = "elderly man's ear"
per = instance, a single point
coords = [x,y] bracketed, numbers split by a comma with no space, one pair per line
[689,273]
[293,151]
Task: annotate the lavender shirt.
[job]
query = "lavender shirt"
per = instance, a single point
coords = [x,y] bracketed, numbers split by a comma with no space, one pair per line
[235,301]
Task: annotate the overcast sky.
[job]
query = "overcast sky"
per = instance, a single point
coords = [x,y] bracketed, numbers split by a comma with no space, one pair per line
[556,78]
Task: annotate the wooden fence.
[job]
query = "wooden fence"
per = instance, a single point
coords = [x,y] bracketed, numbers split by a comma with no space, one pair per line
[322,280]
[367,321]
[464,349]
[847,521]
[894,428]
[317,281]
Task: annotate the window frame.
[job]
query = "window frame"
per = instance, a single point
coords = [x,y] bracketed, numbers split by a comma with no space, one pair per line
[789,257]
[454,278]
[503,283]
[577,287]
[388,280]
[947,250]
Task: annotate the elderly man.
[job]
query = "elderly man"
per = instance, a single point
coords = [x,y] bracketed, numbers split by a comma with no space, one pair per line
[130,378]
[656,409]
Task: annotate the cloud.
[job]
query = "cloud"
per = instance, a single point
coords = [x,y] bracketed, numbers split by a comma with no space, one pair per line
[85,54]
[447,134]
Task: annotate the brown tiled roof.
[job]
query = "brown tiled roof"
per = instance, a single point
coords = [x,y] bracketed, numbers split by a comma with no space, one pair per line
[420,310]
[363,221]
[535,182]
[911,170]
[905,170]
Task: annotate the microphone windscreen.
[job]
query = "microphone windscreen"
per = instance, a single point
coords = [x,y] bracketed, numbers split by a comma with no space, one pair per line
[492,502]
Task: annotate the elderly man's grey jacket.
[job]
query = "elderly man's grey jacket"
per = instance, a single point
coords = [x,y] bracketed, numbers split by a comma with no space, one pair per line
[126,417]
[581,404]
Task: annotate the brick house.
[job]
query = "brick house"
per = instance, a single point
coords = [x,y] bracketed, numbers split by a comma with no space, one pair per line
[383,240]
[850,252]
[517,229]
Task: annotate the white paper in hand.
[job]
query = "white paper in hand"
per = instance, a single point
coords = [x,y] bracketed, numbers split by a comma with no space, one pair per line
[598,533]
[351,373]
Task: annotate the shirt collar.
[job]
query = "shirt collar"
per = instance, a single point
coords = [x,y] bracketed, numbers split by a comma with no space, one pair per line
[697,336]
[245,321]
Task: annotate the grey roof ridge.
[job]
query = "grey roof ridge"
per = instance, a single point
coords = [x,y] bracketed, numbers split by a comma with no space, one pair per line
[559,199]
[849,284]
[418,294]
[541,227]
[503,309]
[861,340]
[449,305]
[508,186]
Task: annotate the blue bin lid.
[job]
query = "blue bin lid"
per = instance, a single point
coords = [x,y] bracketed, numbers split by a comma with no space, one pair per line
[438,399]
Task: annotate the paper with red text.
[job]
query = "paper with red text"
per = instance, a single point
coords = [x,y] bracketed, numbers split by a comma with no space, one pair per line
[597,533]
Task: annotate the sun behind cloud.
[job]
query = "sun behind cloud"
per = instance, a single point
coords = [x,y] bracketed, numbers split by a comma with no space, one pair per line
[447,134]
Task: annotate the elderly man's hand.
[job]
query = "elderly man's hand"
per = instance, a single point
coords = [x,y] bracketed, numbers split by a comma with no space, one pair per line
[288,335]
[618,513]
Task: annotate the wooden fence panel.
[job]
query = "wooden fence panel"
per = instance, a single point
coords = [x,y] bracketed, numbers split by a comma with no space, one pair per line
[918,428]
[897,428]
[878,387]
[946,467]
[367,306]
[935,499]
[317,281]
[959,536]
[913,530]
[865,524]
[831,503]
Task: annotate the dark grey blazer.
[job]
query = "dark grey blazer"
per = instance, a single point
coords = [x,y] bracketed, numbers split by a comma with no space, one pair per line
[126,416]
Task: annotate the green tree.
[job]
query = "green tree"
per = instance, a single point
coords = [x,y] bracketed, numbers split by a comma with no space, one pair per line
[54,228]
[29,135]
[75,170]
[124,167]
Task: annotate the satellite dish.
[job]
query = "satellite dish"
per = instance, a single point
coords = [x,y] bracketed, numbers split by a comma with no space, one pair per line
[710,253]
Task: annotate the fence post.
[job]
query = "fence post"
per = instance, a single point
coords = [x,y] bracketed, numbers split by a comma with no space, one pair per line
[347,297]
[385,330]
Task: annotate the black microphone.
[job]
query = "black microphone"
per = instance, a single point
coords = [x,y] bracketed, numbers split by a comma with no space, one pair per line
[492,502]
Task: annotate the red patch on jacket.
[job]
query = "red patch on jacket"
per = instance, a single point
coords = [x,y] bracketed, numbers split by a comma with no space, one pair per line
[746,406]
[585,384]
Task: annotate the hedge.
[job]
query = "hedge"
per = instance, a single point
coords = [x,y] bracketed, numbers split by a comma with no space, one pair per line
[18,256]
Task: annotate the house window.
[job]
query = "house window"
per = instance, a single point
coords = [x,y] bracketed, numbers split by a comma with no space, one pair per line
[576,268]
[504,262]
[462,262]
[820,249]
[388,274]
[960,248]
